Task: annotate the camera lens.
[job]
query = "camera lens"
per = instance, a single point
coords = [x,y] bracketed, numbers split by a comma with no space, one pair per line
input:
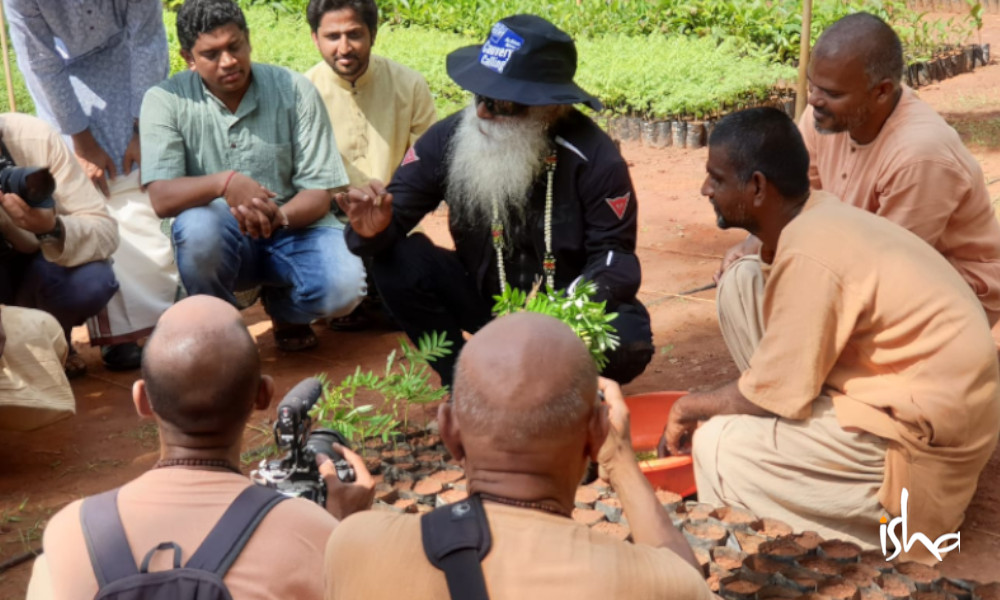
[33,184]
[321,441]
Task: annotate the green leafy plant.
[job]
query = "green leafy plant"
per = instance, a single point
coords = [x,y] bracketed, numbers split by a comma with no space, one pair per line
[588,319]
[976,18]
[404,382]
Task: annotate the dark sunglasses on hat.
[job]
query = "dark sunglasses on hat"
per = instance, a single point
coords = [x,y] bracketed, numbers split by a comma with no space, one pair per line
[500,108]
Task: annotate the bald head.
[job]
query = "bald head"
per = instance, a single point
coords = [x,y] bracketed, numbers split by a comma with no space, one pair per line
[524,377]
[865,38]
[201,368]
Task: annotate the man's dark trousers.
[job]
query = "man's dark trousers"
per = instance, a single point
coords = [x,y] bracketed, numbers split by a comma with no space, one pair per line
[70,294]
[427,290]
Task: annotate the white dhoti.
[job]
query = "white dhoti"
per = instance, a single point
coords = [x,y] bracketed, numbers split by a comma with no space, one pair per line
[811,474]
[33,387]
[143,264]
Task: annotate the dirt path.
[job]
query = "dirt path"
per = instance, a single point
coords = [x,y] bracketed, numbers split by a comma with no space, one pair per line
[106,445]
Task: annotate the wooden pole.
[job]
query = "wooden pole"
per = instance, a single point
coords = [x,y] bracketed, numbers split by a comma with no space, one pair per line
[6,61]
[802,93]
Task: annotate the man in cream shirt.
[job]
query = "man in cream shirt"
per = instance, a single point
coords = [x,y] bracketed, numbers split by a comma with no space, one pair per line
[378,107]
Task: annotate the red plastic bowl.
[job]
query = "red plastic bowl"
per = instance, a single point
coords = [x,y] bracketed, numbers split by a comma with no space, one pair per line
[648,414]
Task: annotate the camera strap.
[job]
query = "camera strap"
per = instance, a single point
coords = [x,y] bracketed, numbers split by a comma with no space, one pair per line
[456,539]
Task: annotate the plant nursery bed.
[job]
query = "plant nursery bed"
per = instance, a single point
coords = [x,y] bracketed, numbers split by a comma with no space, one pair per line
[741,555]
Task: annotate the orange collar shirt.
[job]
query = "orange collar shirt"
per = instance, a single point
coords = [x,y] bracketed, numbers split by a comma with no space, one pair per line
[919,175]
[283,559]
[534,555]
[861,310]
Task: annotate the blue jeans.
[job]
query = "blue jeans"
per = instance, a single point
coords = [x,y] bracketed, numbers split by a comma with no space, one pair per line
[70,294]
[305,274]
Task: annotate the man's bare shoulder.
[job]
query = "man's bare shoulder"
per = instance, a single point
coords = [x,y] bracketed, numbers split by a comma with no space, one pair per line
[67,519]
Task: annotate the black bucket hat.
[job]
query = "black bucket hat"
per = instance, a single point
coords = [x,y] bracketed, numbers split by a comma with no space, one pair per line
[525,59]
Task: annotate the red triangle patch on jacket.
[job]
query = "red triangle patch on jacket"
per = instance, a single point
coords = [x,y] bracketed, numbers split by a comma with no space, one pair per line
[409,157]
[619,204]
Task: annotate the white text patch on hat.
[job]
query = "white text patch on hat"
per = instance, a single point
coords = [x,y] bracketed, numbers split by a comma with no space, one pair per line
[496,52]
[619,204]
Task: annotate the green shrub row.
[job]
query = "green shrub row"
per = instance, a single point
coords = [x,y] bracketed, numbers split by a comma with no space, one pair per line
[765,25]
[670,76]
[653,75]
[625,58]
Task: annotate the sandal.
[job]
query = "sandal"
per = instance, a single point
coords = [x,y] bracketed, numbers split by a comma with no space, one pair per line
[370,314]
[122,357]
[75,366]
[358,320]
[294,338]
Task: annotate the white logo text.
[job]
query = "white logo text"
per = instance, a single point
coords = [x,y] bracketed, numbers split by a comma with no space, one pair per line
[889,528]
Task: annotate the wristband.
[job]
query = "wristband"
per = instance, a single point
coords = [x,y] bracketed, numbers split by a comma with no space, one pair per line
[225,186]
[54,236]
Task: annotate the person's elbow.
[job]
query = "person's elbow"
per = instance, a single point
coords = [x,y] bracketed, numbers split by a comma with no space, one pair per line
[313,205]
[161,201]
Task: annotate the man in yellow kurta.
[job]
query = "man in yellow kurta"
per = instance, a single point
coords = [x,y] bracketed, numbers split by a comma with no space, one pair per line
[875,371]
[378,107]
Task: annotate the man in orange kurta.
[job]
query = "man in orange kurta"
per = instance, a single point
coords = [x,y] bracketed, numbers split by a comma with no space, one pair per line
[200,382]
[873,371]
[523,423]
[908,165]
[875,145]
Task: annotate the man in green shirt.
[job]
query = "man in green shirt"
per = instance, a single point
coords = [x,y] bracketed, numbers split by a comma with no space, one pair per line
[244,157]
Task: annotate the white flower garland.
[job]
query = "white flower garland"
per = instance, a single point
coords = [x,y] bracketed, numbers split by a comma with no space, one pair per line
[549,260]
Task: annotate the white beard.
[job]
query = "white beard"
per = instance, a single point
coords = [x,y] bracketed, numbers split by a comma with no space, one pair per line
[494,161]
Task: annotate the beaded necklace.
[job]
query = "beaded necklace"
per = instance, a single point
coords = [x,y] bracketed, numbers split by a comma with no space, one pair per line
[524,504]
[218,463]
[549,260]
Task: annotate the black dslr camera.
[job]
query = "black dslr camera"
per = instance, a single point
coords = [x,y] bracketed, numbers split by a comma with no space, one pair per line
[296,474]
[34,185]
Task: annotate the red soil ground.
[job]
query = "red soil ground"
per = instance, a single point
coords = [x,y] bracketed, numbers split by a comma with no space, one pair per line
[105,444]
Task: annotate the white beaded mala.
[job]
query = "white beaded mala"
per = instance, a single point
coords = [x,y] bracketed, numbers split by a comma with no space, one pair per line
[549,260]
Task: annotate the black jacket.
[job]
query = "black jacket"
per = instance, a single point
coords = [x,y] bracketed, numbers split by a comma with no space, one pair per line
[593,220]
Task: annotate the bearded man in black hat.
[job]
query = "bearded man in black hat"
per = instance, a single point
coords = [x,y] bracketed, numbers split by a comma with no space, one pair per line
[535,190]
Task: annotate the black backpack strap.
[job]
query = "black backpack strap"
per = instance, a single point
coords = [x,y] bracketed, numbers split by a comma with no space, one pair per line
[226,540]
[110,555]
[456,539]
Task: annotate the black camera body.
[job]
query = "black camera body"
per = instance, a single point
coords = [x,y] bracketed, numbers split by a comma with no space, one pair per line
[296,474]
[35,185]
